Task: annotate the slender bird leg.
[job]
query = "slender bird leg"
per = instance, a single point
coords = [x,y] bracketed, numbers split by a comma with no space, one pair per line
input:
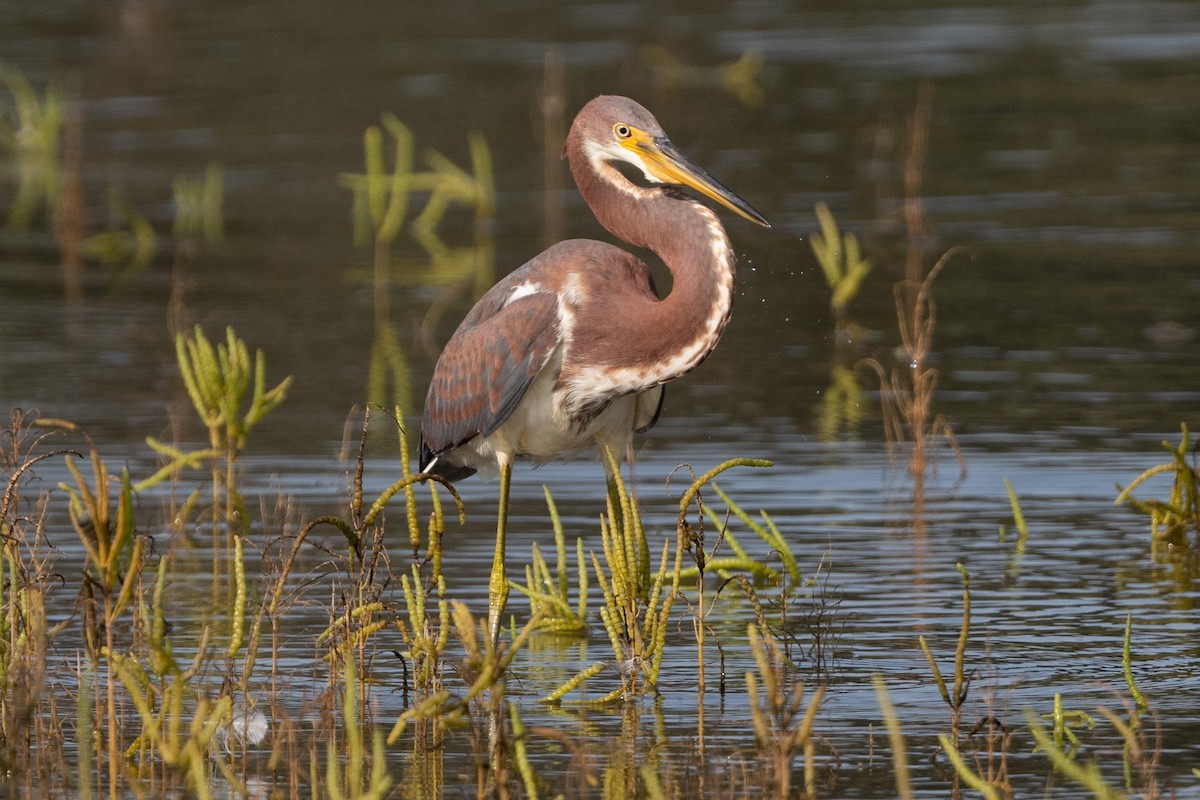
[497,600]
[498,586]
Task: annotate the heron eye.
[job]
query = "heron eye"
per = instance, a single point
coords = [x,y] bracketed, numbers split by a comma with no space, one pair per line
[622,130]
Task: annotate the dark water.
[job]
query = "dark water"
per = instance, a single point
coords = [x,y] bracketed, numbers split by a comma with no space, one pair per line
[1062,152]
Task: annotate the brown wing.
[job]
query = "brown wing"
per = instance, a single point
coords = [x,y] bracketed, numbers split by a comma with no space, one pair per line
[485,370]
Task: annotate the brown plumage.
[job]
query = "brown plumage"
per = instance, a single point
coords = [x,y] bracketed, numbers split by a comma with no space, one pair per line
[573,349]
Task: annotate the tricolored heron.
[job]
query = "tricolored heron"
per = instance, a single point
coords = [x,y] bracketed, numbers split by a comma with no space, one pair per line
[574,348]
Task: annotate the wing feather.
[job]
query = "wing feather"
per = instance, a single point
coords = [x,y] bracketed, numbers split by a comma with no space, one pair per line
[485,370]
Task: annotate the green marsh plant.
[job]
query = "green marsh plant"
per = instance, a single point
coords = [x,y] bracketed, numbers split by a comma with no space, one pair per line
[31,145]
[130,248]
[111,575]
[954,693]
[637,596]
[198,205]
[25,633]
[783,718]
[362,775]
[382,197]
[633,595]
[178,723]
[423,621]
[845,269]
[1014,562]
[549,592]
[691,539]
[217,379]
[841,262]
[1172,519]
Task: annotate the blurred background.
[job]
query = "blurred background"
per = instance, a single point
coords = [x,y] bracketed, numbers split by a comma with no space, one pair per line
[1061,151]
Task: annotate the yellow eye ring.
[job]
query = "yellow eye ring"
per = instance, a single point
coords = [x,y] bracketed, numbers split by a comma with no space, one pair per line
[622,130]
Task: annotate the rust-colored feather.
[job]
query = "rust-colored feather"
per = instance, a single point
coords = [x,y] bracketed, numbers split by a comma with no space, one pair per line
[573,348]
[484,371]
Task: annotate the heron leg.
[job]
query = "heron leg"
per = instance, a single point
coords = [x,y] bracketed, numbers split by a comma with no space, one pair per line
[498,586]
[497,599]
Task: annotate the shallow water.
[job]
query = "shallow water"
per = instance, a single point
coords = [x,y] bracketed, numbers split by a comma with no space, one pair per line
[1061,153]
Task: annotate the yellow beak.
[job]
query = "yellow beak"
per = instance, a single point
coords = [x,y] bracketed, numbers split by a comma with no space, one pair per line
[668,164]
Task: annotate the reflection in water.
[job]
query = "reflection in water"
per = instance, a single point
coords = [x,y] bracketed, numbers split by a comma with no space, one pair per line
[381,202]
[1063,158]
[739,78]
[844,268]
[30,140]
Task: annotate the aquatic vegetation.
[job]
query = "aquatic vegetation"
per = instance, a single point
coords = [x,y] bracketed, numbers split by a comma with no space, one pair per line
[1063,724]
[549,593]
[197,704]
[841,261]
[31,139]
[381,200]
[25,633]
[635,608]
[908,389]
[783,721]
[738,78]
[1172,519]
[844,267]
[895,741]
[216,379]
[955,694]
[1140,754]
[130,249]
[1014,563]
[347,783]
[178,723]
[198,205]
[154,688]
[42,182]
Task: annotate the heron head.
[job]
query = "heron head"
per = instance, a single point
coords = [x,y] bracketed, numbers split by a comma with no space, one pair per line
[617,129]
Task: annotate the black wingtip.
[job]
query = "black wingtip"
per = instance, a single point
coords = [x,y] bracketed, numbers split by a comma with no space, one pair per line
[434,464]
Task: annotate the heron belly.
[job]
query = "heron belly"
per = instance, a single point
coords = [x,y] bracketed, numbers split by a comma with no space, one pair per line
[541,428]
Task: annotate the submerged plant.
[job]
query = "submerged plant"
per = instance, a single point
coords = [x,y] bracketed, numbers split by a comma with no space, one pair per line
[783,721]
[217,379]
[31,138]
[549,592]
[908,390]
[840,260]
[637,602]
[25,632]
[198,205]
[130,248]
[1171,520]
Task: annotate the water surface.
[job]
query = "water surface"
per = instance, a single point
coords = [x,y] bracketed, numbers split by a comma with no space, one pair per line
[1061,153]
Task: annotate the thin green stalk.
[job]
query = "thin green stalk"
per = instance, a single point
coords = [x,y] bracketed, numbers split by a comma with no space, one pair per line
[238,619]
[969,776]
[1127,663]
[896,740]
[1086,775]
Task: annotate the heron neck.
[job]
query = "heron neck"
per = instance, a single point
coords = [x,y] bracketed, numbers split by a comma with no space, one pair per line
[692,243]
